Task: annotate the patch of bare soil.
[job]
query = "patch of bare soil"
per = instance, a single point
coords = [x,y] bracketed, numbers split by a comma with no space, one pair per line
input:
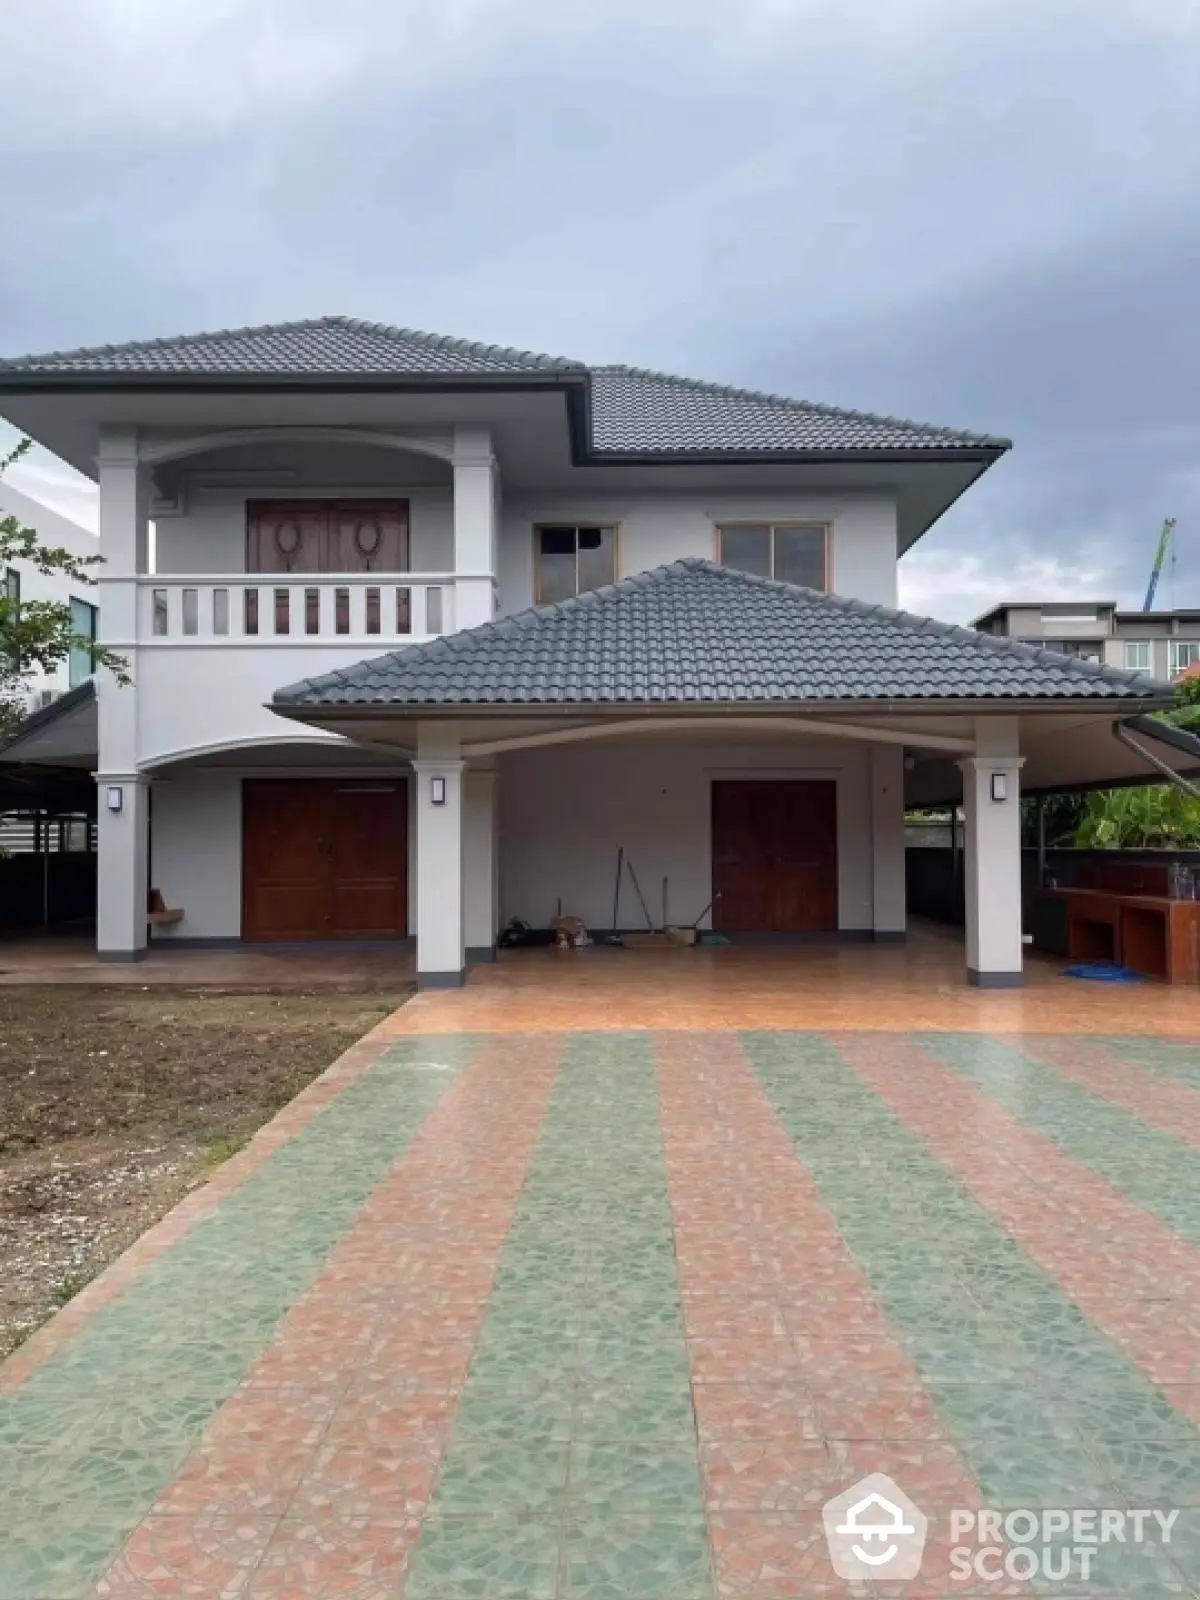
[114,1104]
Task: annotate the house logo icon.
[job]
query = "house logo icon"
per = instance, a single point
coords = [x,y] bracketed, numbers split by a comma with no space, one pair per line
[874,1530]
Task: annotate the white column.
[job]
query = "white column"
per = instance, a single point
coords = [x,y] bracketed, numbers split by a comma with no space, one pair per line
[992,855]
[476,499]
[438,769]
[889,889]
[122,835]
[480,863]
[122,866]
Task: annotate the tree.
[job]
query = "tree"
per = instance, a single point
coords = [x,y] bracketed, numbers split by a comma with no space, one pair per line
[1157,817]
[36,636]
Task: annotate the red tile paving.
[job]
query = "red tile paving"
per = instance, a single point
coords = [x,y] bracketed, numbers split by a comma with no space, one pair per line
[352,1404]
[1131,1274]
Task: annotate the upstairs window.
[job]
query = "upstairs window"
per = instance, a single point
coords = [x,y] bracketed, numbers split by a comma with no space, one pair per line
[83,626]
[569,559]
[12,593]
[1184,653]
[792,552]
[1137,655]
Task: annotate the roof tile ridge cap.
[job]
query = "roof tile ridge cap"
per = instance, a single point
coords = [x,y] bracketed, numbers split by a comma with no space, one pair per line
[823,408]
[164,341]
[450,341]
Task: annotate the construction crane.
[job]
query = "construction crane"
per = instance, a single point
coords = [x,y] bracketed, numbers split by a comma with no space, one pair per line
[1160,558]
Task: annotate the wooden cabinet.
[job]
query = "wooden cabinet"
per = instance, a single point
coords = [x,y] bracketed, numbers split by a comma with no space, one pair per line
[1150,934]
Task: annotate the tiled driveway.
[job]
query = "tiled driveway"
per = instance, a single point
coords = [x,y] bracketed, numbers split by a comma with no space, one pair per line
[612,1314]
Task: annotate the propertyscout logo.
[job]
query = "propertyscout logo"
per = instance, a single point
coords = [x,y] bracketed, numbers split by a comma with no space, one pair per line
[874,1530]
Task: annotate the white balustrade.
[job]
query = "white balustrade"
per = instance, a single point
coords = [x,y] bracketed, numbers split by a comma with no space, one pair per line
[260,608]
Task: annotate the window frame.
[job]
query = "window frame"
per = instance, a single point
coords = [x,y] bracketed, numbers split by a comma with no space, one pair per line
[1145,648]
[77,651]
[1175,666]
[774,525]
[575,524]
[12,592]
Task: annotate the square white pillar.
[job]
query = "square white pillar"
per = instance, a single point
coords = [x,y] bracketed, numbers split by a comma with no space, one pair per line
[122,835]
[438,770]
[889,887]
[476,512]
[480,864]
[122,866]
[992,856]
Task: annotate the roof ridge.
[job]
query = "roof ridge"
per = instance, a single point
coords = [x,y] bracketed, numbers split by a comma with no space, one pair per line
[431,341]
[730,391]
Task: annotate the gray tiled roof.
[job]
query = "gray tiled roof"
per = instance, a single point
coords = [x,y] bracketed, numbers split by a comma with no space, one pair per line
[695,633]
[322,346]
[631,412]
[654,413]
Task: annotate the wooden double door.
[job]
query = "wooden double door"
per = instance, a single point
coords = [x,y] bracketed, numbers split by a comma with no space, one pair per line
[774,846]
[324,859]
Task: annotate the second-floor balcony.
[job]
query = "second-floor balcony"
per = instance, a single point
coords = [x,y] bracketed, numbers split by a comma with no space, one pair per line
[368,609]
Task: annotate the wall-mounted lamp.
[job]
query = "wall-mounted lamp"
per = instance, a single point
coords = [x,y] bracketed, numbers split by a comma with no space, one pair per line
[114,797]
[437,791]
[999,785]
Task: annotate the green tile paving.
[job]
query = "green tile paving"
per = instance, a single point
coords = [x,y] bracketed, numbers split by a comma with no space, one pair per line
[1154,1170]
[1041,1404]
[573,1466]
[89,1440]
[1173,1058]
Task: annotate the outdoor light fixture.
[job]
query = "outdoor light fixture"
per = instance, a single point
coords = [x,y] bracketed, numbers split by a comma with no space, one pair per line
[114,797]
[437,791]
[999,785]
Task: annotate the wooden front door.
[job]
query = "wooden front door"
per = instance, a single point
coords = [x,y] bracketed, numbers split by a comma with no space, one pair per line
[324,859]
[327,536]
[774,846]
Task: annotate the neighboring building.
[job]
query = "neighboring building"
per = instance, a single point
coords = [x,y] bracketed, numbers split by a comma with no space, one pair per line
[1162,643]
[351,723]
[22,581]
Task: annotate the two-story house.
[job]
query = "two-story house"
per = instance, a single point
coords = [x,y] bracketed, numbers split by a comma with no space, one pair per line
[437,629]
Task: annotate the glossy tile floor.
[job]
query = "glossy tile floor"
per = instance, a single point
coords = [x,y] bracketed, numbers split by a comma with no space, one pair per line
[610,1312]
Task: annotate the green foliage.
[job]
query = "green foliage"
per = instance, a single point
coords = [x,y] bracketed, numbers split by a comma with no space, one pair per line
[36,635]
[1158,817]
[1063,812]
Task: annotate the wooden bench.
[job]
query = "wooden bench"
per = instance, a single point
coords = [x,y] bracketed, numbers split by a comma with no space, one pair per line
[160,913]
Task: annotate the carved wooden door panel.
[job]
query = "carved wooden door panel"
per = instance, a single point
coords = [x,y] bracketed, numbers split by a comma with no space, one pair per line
[367,536]
[286,535]
[327,536]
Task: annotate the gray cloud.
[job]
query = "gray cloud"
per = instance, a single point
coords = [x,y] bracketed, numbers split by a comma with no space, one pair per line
[971,212]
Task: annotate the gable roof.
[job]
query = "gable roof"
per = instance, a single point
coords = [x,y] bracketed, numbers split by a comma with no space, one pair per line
[320,346]
[624,412]
[697,634]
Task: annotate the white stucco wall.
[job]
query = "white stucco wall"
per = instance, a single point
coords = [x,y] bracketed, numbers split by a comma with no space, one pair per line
[196,853]
[657,529]
[565,812]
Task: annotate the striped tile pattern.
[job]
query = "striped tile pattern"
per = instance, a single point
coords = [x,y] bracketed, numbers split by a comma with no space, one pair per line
[610,1316]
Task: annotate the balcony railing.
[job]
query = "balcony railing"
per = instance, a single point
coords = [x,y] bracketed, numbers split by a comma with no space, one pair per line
[334,608]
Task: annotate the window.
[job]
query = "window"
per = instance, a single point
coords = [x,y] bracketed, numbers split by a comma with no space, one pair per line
[12,593]
[1137,655]
[570,560]
[1184,653]
[83,626]
[791,552]
[1082,649]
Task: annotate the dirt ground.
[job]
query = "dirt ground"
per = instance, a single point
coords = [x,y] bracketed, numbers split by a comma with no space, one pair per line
[113,1104]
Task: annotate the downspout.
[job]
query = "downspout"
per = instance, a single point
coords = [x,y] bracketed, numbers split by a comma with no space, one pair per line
[1123,736]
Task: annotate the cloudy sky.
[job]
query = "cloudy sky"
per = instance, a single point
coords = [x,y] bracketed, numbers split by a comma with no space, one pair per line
[978,212]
